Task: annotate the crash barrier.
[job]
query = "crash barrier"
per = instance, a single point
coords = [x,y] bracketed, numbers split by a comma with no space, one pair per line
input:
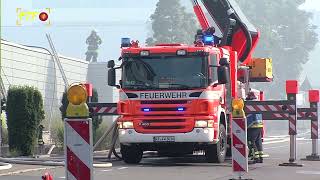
[311,114]
[287,110]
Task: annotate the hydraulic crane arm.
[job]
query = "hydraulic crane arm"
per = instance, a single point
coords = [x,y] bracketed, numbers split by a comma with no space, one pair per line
[237,31]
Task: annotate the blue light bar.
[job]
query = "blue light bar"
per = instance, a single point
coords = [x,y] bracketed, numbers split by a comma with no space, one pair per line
[180,109]
[208,39]
[146,109]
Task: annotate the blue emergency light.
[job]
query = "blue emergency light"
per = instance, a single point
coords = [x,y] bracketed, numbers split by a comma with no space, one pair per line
[208,39]
[180,109]
[125,42]
[146,109]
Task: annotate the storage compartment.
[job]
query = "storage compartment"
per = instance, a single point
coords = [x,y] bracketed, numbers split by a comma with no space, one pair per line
[261,68]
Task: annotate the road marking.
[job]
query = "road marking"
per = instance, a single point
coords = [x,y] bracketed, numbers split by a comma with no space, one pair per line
[122,168]
[106,170]
[309,172]
[25,171]
[62,177]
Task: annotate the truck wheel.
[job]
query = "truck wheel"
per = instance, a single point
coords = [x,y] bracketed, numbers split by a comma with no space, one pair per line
[131,154]
[216,153]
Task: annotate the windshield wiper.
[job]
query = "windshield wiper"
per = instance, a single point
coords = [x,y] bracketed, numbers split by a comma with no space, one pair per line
[139,87]
[180,86]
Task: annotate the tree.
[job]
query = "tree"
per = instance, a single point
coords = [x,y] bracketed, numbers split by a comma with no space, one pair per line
[172,24]
[24,114]
[287,36]
[96,120]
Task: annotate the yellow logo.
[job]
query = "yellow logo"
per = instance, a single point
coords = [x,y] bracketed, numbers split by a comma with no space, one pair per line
[40,16]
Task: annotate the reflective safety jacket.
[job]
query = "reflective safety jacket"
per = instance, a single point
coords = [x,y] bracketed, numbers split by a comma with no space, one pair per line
[254,121]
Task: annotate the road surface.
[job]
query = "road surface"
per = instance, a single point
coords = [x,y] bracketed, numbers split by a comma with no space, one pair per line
[193,168]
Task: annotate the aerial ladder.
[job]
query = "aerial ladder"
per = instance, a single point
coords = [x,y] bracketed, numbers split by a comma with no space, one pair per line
[57,60]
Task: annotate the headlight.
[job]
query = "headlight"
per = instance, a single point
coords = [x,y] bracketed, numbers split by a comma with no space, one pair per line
[125,125]
[201,124]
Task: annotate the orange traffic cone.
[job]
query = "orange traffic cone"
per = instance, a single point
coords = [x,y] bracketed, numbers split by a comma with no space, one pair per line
[47,176]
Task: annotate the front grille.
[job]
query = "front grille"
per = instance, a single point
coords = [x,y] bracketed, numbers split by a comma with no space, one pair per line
[175,125]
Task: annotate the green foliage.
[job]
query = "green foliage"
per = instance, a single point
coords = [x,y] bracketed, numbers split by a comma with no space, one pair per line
[58,133]
[24,115]
[96,120]
[64,105]
[171,23]
[287,36]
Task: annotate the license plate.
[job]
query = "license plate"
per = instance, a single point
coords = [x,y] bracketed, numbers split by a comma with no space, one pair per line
[163,139]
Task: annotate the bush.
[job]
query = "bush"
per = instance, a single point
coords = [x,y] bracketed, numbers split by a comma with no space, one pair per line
[24,115]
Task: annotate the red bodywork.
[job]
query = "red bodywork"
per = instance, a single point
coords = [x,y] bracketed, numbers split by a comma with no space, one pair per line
[196,109]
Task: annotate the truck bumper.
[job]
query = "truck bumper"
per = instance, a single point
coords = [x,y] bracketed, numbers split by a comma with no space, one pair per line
[198,135]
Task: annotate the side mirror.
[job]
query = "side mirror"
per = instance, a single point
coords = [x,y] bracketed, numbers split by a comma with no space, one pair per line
[111,64]
[223,75]
[111,77]
[224,62]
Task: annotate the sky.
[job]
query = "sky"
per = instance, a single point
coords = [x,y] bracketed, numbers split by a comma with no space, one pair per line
[72,22]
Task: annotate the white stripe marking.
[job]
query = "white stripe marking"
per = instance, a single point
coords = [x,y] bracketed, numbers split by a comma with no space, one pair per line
[292,126]
[239,158]
[309,172]
[251,109]
[121,168]
[238,132]
[262,108]
[314,131]
[106,170]
[70,176]
[273,108]
[82,149]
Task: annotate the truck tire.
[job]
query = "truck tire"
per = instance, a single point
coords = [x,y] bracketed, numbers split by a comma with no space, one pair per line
[216,153]
[131,154]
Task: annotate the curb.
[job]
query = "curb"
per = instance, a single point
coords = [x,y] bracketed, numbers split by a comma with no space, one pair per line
[5,166]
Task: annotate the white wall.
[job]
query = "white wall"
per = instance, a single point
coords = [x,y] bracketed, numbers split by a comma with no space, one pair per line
[22,65]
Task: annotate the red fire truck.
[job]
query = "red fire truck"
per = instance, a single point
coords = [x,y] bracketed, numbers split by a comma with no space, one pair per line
[175,98]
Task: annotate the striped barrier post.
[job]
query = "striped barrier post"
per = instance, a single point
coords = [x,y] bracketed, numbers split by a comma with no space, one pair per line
[314,100]
[292,89]
[78,144]
[104,109]
[78,149]
[239,139]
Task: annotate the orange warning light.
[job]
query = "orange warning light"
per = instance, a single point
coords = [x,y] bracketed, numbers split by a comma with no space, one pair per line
[43,16]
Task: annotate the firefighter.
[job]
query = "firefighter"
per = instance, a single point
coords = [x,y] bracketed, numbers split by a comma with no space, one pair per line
[255,127]
[93,42]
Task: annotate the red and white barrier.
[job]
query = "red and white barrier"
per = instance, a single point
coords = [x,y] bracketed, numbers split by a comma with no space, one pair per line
[78,149]
[239,145]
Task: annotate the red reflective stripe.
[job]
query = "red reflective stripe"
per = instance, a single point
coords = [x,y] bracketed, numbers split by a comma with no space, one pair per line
[240,123]
[76,167]
[236,141]
[237,167]
[82,128]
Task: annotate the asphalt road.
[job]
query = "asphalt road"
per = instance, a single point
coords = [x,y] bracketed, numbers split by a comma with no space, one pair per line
[193,168]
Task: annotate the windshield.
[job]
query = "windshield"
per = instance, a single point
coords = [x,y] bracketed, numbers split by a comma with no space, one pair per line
[164,72]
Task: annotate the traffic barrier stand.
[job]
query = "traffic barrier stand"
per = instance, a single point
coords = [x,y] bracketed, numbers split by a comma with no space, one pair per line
[312,114]
[239,139]
[292,91]
[78,144]
[280,110]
